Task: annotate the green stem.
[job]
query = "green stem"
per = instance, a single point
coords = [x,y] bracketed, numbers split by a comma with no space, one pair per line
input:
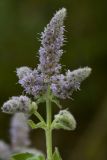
[39,116]
[48,129]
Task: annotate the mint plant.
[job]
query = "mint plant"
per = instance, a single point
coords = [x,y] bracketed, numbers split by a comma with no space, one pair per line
[46,84]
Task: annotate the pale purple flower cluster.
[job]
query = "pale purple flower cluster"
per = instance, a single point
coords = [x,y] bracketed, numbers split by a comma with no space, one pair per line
[48,73]
[63,85]
[33,83]
[17,104]
[36,82]
[52,40]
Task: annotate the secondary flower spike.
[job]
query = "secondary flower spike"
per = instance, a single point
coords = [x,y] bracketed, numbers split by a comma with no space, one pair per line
[63,85]
[17,104]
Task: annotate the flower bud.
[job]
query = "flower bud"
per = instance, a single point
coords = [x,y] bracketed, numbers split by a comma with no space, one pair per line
[64,120]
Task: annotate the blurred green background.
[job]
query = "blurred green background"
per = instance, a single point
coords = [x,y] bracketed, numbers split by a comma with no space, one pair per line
[86,25]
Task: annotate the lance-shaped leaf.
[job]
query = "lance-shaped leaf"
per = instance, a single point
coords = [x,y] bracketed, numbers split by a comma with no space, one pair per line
[22,156]
[56,101]
[37,158]
[35,126]
[56,155]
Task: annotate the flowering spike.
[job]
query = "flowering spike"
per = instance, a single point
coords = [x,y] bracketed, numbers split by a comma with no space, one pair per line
[63,85]
[75,77]
[36,82]
[52,40]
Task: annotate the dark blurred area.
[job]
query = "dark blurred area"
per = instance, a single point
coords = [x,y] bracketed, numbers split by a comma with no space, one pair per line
[86,32]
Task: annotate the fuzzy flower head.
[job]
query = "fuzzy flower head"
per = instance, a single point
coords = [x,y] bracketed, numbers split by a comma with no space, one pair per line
[33,83]
[17,104]
[48,72]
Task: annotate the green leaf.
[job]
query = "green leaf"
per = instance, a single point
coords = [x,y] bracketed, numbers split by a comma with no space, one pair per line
[56,101]
[56,155]
[40,100]
[21,156]
[31,124]
[35,126]
[37,158]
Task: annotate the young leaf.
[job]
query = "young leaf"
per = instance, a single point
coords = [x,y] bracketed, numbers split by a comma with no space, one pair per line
[35,126]
[22,156]
[37,158]
[31,124]
[57,103]
[55,100]
[56,155]
[40,100]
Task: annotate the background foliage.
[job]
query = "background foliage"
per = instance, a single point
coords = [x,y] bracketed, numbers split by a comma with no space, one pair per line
[86,25]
